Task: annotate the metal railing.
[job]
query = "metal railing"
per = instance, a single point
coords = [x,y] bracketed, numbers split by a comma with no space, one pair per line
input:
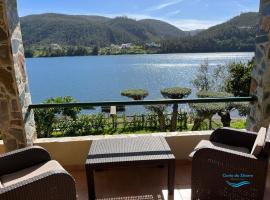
[133,123]
[144,102]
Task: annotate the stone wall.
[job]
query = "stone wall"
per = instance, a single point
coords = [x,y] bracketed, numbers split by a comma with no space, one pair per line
[17,126]
[260,83]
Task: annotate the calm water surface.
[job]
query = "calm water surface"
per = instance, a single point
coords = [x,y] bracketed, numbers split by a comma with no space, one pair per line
[102,78]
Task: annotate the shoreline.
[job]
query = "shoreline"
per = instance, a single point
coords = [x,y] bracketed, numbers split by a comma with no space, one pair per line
[102,55]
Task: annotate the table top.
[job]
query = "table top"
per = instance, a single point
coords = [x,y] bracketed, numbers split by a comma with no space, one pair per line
[142,148]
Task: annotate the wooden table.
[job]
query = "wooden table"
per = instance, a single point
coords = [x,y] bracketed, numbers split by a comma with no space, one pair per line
[129,152]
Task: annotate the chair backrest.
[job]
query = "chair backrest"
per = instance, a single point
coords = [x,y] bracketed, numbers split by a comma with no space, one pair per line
[266,148]
[259,142]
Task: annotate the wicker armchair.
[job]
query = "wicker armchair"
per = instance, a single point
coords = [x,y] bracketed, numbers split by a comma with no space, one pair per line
[30,174]
[225,168]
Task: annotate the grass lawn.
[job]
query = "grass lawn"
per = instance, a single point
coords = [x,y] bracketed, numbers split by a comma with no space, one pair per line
[235,123]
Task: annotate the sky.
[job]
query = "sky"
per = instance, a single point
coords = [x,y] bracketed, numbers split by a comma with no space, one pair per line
[185,14]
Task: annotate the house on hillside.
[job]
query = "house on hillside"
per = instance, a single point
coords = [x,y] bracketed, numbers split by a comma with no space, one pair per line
[55,46]
[126,46]
[153,45]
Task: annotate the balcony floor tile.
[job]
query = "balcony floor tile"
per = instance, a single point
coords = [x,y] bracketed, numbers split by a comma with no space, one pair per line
[140,184]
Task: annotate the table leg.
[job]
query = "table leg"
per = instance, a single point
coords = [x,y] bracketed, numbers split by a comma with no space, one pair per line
[91,184]
[171,176]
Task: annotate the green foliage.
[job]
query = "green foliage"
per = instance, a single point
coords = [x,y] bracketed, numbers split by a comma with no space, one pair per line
[208,110]
[243,108]
[175,92]
[205,111]
[238,123]
[69,112]
[160,111]
[136,94]
[45,118]
[239,78]
[212,94]
[75,30]
[133,49]
[83,125]
[95,51]
[47,51]
[238,34]
[203,79]
[234,79]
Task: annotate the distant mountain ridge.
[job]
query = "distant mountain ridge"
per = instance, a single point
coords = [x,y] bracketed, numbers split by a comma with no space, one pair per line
[93,30]
[237,34]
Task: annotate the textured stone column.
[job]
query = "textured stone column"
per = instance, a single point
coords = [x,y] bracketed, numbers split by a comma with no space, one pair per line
[260,83]
[17,126]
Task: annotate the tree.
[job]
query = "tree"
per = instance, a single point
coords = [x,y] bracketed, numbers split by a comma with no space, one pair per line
[175,93]
[95,51]
[226,81]
[140,94]
[135,94]
[224,109]
[239,78]
[205,111]
[203,80]
[159,110]
[45,118]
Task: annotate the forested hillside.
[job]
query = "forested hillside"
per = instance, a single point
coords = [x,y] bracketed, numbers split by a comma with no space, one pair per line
[93,30]
[81,35]
[238,34]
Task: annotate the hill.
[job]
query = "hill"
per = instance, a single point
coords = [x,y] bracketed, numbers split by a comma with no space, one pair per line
[82,30]
[237,34]
[59,35]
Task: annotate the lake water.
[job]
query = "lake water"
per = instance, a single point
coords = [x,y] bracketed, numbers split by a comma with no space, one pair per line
[102,78]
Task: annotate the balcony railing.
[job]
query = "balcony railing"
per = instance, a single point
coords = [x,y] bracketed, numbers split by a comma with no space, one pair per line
[156,121]
[144,102]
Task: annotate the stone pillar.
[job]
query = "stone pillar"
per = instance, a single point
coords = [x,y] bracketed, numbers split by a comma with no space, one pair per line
[260,83]
[17,125]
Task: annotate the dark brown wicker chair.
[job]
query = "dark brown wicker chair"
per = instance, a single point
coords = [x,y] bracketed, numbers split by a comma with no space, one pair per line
[224,167]
[30,174]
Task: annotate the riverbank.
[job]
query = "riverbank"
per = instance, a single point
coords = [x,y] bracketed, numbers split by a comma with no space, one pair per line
[70,51]
[62,51]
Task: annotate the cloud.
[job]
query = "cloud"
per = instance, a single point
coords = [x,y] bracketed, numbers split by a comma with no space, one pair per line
[183,24]
[176,12]
[193,24]
[164,5]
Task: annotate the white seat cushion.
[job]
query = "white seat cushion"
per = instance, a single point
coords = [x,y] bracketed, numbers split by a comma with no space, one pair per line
[259,142]
[28,173]
[209,144]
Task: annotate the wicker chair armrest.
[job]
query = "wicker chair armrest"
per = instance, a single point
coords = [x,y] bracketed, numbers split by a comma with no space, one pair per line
[234,137]
[22,158]
[211,152]
[56,184]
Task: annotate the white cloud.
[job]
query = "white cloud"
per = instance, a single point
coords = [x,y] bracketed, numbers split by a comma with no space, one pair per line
[176,12]
[183,24]
[193,24]
[164,5]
